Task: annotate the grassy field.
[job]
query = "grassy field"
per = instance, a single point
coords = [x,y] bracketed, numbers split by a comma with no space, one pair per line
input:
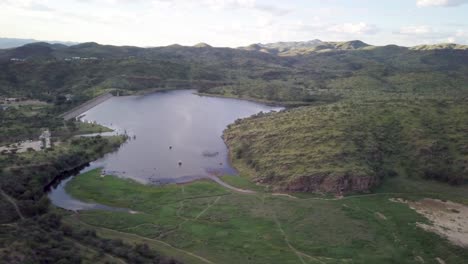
[216,225]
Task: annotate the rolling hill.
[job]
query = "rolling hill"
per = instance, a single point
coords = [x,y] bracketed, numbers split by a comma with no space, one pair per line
[353,91]
[8,43]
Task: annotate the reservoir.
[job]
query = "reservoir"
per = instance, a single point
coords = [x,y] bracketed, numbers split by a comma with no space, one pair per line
[174,136]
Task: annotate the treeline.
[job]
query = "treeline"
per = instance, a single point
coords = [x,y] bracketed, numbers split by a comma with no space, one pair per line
[25,122]
[24,177]
[46,239]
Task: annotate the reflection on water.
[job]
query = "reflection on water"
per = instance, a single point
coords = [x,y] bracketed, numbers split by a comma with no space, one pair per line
[174,136]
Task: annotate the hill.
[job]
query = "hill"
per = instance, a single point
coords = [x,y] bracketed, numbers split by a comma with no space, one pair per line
[349,74]
[442,46]
[353,146]
[305,47]
[8,43]
[254,73]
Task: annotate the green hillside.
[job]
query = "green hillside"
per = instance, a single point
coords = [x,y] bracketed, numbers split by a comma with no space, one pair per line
[389,120]
[352,146]
[365,80]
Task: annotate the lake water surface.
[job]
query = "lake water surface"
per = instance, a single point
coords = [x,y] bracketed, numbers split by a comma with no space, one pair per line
[170,127]
[165,129]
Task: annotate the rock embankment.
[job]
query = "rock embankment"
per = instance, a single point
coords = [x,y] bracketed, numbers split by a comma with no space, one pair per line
[337,184]
[75,112]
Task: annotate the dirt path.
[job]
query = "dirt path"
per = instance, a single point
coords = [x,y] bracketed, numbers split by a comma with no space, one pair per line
[94,250]
[144,224]
[245,191]
[185,220]
[13,202]
[298,254]
[146,239]
[208,207]
[220,182]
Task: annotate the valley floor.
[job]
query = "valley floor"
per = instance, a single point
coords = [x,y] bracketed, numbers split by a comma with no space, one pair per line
[204,222]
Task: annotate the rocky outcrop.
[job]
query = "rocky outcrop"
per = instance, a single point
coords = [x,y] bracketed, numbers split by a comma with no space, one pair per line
[337,184]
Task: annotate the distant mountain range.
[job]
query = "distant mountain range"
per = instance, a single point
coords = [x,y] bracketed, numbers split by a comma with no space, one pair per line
[290,48]
[7,43]
[318,46]
[305,47]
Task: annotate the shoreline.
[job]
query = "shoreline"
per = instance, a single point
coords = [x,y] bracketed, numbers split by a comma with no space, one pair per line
[76,171]
[286,105]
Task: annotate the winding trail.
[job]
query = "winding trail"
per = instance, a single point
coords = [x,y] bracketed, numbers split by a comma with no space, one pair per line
[245,191]
[13,202]
[119,260]
[220,182]
[185,220]
[293,249]
[208,207]
[146,239]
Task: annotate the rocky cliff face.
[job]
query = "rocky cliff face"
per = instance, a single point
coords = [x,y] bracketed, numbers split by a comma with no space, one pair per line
[337,184]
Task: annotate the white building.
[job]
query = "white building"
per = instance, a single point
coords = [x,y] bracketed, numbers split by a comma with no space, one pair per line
[45,139]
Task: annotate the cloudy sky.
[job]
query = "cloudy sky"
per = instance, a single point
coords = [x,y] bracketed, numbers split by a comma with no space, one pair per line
[235,23]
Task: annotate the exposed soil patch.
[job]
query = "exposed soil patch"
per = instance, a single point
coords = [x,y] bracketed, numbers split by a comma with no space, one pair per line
[448,219]
[380,216]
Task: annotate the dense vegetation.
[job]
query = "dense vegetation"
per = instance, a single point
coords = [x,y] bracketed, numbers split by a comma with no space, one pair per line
[362,79]
[369,115]
[25,122]
[425,139]
[352,69]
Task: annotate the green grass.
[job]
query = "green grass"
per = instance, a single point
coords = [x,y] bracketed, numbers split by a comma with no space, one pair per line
[90,128]
[414,188]
[224,227]
[133,239]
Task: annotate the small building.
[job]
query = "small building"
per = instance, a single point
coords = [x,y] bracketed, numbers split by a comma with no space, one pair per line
[10,100]
[45,139]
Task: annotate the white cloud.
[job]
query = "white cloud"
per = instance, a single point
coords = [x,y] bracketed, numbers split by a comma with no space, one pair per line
[225,5]
[423,34]
[32,5]
[354,28]
[426,3]
[415,30]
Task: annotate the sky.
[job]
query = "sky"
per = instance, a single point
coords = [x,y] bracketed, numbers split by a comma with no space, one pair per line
[234,23]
